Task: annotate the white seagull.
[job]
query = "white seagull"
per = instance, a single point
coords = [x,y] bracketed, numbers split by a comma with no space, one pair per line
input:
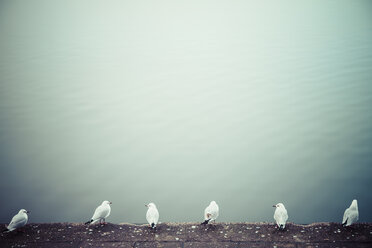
[351,214]
[211,212]
[102,212]
[152,215]
[280,215]
[19,220]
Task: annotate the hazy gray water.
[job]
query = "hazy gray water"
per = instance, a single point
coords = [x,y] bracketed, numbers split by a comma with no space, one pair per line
[180,103]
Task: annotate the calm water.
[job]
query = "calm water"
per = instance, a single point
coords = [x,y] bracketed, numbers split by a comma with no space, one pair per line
[180,103]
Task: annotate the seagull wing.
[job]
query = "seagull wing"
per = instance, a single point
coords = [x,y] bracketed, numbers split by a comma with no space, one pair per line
[17,221]
[281,216]
[214,212]
[101,212]
[207,213]
[346,216]
[152,216]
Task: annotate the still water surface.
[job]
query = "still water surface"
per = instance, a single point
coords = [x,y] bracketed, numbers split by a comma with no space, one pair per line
[180,103]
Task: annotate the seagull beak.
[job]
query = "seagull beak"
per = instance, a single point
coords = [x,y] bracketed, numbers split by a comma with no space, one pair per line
[274,206]
[28,212]
[110,202]
[146,205]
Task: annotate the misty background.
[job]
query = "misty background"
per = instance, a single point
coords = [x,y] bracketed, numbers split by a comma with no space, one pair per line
[248,103]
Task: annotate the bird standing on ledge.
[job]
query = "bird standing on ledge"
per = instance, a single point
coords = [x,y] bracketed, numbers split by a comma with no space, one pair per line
[19,220]
[351,214]
[211,213]
[280,215]
[152,215]
[102,212]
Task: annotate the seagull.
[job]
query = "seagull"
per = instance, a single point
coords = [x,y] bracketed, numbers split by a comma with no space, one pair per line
[351,214]
[152,215]
[211,213]
[101,213]
[19,220]
[280,215]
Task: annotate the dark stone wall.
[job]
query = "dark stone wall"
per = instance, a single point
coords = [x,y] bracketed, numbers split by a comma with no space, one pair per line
[184,235]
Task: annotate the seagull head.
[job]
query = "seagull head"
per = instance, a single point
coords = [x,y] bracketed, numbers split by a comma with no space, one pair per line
[24,211]
[150,205]
[279,205]
[213,203]
[106,202]
[354,204]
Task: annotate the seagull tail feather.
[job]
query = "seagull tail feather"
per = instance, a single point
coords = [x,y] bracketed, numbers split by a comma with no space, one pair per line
[344,224]
[205,222]
[153,225]
[5,231]
[281,227]
[88,222]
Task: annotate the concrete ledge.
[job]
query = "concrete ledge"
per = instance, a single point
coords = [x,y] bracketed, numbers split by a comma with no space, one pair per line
[185,235]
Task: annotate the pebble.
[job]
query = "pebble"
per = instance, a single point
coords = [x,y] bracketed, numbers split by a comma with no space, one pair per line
[193,227]
[262,236]
[177,239]
[302,231]
[256,231]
